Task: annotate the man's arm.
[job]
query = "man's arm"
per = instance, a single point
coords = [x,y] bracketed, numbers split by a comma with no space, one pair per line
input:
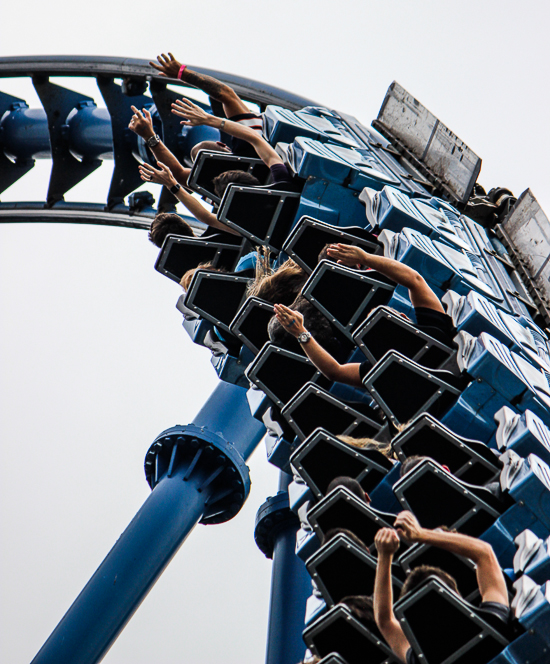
[420,293]
[293,323]
[167,65]
[387,543]
[142,124]
[490,578]
[194,115]
[164,176]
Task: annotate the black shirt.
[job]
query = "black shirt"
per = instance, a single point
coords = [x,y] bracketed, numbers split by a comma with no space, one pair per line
[239,146]
[435,323]
[280,174]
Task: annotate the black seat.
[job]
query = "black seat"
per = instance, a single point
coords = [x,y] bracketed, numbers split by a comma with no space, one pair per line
[437,498]
[403,389]
[313,407]
[460,568]
[345,296]
[341,568]
[342,509]
[217,297]
[469,460]
[310,236]
[322,457]
[210,163]
[442,628]
[384,330]
[338,631]
[179,253]
[250,323]
[280,373]
[264,215]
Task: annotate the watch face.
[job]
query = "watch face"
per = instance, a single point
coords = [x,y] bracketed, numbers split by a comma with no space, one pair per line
[303,337]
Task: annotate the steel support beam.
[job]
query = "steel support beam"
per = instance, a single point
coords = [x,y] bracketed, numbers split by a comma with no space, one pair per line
[197,473]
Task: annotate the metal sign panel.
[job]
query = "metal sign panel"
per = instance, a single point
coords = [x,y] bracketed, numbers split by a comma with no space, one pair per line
[451,163]
[526,231]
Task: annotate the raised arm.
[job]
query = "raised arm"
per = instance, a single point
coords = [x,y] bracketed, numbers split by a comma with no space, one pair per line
[387,543]
[420,293]
[490,578]
[142,124]
[194,115]
[164,176]
[167,65]
[293,323]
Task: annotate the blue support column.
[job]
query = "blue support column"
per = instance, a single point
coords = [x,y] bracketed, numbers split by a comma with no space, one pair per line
[197,472]
[275,535]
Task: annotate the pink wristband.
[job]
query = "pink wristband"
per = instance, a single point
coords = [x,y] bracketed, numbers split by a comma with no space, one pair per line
[180,73]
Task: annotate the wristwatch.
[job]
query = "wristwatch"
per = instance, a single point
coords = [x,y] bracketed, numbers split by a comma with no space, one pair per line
[304,337]
[175,188]
[153,141]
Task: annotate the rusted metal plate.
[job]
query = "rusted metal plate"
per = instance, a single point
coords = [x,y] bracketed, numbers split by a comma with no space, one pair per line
[527,232]
[449,160]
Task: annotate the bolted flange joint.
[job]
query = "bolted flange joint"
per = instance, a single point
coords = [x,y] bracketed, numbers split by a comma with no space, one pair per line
[205,458]
[273,516]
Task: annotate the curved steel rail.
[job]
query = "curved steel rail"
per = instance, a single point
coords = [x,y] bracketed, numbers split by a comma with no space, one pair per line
[28,134]
[69,65]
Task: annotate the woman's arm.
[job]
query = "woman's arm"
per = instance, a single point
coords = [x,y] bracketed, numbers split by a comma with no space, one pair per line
[420,293]
[387,543]
[142,124]
[167,65]
[490,578]
[293,322]
[194,115]
[164,176]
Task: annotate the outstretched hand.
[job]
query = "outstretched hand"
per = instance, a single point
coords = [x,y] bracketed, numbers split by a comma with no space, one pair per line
[193,114]
[292,321]
[346,254]
[142,123]
[162,175]
[408,527]
[386,541]
[167,65]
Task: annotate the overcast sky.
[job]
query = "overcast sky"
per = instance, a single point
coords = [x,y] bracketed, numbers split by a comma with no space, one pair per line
[95,362]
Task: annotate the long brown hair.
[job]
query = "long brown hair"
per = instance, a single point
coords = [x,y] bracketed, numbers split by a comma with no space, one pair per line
[280,286]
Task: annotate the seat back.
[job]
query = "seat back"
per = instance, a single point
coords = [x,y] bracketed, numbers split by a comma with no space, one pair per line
[525,434]
[179,254]
[210,163]
[216,297]
[437,498]
[338,631]
[342,509]
[313,407]
[341,568]
[322,457]
[264,215]
[403,388]
[280,373]
[469,460]
[460,568]
[442,628]
[385,330]
[250,323]
[310,236]
[346,296]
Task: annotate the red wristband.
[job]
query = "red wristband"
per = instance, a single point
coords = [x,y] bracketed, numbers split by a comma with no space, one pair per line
[180,73]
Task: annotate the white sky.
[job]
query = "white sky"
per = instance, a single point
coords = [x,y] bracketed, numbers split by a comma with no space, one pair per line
[95,363]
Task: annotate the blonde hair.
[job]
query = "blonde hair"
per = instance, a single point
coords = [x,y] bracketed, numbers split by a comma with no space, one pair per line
[369,444]
[276,286]
[185,281]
